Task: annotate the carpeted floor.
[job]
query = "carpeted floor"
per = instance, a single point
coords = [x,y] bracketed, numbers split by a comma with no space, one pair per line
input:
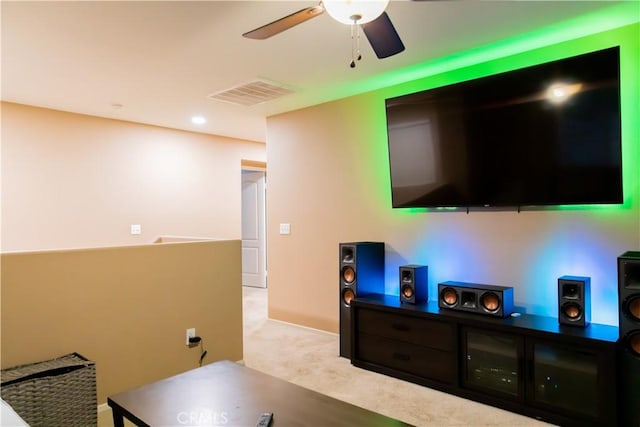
[309,358]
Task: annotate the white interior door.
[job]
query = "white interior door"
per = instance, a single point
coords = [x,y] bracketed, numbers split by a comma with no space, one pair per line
[254,271]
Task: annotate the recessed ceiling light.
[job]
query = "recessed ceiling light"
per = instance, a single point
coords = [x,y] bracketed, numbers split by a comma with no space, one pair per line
[198,120]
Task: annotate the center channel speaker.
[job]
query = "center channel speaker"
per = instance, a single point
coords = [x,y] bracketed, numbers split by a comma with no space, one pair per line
[361,273]
[629,343]
[574,300]
[413,283]
[491,300]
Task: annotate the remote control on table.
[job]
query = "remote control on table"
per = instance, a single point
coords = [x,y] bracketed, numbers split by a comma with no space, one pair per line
[265,419]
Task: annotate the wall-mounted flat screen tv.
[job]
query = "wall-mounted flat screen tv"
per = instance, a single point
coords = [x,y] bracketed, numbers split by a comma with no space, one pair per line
[537,136]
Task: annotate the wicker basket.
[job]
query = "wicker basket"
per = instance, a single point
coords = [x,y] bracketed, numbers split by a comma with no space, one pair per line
[58,392]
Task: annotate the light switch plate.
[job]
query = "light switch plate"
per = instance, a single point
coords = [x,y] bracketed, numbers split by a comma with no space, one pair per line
[285,228]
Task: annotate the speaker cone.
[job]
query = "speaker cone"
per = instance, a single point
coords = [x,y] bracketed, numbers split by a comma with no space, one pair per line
[449,296]
[490,301]
[571,311]
[633,342]
[348,295]
[632,307]
[407,291]
[348,274]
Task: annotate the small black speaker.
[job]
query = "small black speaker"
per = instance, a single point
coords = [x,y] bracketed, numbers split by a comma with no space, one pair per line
[414,283]
[491,300]
[361,272]
[574,300]
[629,343]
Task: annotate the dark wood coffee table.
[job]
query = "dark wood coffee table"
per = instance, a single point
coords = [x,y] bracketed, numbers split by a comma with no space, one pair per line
[228,394]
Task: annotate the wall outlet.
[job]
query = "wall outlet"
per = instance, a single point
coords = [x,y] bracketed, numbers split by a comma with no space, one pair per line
[136,229]
[191,332]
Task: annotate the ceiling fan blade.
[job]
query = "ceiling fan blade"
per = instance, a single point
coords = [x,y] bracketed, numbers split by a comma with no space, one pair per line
[383,37]
[279,25]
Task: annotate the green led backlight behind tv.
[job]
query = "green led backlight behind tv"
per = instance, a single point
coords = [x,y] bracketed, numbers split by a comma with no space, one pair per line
[615,26]
[560,249]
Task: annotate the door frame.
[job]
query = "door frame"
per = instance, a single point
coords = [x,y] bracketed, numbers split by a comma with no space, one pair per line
[259,166]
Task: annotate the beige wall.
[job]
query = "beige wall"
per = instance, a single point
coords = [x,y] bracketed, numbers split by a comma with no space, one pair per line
[125,308]
[73,181]
[329,178]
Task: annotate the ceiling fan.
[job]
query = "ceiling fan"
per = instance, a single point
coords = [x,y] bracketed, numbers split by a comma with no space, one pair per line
[369,15]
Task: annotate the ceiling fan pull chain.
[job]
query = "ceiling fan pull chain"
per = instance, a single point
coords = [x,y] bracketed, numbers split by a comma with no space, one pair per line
[355,42]
[359,57]
[352,64]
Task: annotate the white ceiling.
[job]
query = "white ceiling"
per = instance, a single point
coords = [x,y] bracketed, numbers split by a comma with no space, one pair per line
[160,59]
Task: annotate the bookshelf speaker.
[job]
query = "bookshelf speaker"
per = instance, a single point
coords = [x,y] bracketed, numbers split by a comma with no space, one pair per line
[574,300]
[414,283]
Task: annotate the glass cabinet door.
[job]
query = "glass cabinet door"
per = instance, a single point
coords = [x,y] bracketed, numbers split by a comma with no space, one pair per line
[492,362]
[565,378]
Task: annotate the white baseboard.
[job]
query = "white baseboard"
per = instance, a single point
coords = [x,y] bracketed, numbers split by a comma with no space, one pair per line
[304,327]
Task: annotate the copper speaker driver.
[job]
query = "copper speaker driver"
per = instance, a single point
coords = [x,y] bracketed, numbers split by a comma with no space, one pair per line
[633,307]
[572,311]
[407,291]
[449,296]
[633,341]
[348,295]
[348,274]
[490,301]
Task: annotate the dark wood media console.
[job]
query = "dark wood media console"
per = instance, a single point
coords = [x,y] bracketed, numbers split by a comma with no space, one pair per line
[528,364]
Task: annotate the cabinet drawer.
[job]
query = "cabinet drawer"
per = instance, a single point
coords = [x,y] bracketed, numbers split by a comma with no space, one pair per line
[414,359]
[424,332]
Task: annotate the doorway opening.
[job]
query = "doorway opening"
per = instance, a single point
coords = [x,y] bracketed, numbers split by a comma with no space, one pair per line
[254,236]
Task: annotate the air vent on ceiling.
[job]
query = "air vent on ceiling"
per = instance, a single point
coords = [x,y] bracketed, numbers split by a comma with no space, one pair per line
[252,93]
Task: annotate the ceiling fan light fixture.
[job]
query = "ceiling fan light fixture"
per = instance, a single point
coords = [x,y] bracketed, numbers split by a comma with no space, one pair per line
[360,11]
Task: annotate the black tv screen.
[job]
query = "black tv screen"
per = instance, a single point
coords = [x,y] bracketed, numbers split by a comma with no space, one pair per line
[537,136]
